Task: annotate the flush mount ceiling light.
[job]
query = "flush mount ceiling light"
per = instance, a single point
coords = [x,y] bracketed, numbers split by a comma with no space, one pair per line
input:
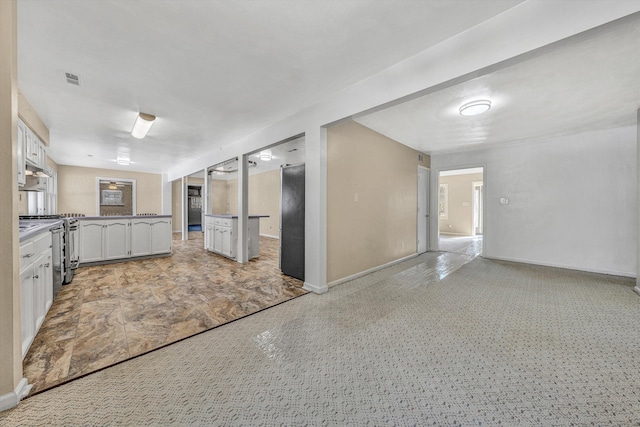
[265,155]
[123,161]
[474,108]
[142,125]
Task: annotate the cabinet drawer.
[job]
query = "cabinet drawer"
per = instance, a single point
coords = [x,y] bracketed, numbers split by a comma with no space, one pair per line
[27,251]
[225,222]
[42,243]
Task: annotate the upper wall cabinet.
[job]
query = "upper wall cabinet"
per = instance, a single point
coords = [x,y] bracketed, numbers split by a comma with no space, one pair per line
[31,152]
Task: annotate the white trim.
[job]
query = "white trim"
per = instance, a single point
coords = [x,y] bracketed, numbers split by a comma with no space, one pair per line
[11,399]
[629,274]
[315,289]
[637,289]
[270,236]
[450,233]
[371,270]
[134,194]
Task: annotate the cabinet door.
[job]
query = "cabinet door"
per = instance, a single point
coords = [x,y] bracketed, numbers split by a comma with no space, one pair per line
[140,237]
[26,306]
[217,238]
[91,241]
[22,133]
[116,239]
[48,280]
[208,237]
[227,238]
[161,236]
[39,293]
[31,153]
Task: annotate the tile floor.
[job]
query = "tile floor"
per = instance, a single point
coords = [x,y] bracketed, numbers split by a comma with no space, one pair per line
[436,340]
[112,312]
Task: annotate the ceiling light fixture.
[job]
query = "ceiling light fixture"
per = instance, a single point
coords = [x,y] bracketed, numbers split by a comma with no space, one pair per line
[142,125]
[123,161]
[475,107]
[265,155]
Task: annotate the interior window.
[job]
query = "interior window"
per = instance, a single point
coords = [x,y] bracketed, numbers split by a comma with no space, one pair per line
[116,197]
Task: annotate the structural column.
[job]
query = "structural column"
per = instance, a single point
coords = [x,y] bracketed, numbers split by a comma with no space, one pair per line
[315,245]
[12,386]
[243,209]
[637,288]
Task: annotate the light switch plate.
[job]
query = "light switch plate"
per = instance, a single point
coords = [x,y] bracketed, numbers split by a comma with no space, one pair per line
[504,200]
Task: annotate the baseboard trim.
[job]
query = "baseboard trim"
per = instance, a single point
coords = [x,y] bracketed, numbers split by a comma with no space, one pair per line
[637,289]
[315,289]
[369,271]
[566,267]
[11,399]
[270,235]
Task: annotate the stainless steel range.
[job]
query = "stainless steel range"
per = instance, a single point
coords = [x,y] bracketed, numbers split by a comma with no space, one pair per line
[69,246]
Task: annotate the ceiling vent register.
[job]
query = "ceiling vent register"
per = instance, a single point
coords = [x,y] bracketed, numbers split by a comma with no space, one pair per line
[72,79]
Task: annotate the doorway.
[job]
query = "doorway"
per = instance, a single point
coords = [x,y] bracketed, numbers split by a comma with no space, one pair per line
[461,210]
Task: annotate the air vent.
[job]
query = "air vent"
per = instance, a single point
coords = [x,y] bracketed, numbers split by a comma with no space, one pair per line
[72,79]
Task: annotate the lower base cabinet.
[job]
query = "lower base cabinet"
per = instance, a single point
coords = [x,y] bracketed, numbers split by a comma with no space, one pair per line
[123,238]
[221,236]
[36,286]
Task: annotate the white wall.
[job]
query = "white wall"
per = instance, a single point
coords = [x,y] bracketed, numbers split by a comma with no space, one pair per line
[572,200]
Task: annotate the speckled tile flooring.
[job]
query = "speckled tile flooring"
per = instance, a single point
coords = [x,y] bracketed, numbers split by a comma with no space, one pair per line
[112,312]
[437,340]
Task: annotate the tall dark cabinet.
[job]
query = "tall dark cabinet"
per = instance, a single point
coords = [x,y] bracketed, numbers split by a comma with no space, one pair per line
[292,220]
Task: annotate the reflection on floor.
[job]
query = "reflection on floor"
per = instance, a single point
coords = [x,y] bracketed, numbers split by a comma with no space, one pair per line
[466,245]
[112,312]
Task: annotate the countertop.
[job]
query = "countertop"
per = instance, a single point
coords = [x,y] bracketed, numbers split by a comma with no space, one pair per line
[37,226]
[83,218]
[234,216]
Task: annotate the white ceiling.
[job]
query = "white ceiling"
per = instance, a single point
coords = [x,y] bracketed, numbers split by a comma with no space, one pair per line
[211,71]
[588,82]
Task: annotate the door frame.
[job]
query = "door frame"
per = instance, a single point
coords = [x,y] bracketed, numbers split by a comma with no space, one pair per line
[426,199]
[435,185]
[480,210]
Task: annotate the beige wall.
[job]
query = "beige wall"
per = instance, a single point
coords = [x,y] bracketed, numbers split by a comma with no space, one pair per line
[264,199]
[77,189]
[219,196]
[371,200]
[10,338]
[31,119]
[460,218]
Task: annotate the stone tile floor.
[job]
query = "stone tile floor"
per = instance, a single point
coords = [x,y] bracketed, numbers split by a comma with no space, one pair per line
[112,312]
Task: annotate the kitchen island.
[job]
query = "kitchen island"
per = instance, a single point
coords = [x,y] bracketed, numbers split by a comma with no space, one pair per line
[119,238]
[221,234]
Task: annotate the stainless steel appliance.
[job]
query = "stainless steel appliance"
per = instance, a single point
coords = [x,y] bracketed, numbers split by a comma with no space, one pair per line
[69,245]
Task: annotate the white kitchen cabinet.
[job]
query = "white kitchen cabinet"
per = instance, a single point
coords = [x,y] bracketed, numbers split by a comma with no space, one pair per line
[140,237]
[209,236]
[22,134]
[161,236]
[150,236]
[90,236]
[36,285]
[221,235]
[123,238]
[116,239]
